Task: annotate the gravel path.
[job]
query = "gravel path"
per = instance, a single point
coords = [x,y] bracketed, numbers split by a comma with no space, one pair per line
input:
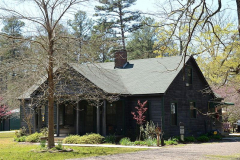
[186,152]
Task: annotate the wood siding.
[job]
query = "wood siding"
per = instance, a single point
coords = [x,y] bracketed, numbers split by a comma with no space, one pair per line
[182,94]
[153,113]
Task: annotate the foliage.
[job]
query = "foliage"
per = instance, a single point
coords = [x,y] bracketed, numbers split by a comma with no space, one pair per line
[217,137]
[189,139]
[149,130]
[141,41]
[59,145]
[165,46]
[141,109]
[20,139]
[141,143]
[43,143]
[171,141]
[126,142]
[92,138]
[103,41]
[72,139]
[35,137]
[3,110]
[151,142]
[12,26]
[230,94]
[118,13]
[203,138]
[21,132]
[110,139]
[81,26]
[13,150]
[44,132]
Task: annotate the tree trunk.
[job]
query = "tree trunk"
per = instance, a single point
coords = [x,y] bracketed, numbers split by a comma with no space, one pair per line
[50,95]
[121,21]
[238,13]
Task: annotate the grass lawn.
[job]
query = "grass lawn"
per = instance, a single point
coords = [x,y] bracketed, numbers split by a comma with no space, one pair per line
[13,150]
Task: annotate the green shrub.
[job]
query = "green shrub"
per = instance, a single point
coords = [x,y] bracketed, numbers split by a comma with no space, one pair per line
[171,141]
[203,139]
[72,139]
[21,132]
[35,137]
[126,141]
[190,139]
[44,132]
[151,142]
[149,130]
[217,136]
[92,138]
[110,139]
[20,139]
[141,143]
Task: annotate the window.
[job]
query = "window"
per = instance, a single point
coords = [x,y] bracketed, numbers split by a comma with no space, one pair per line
[174,113]
[189,76]
[193,111]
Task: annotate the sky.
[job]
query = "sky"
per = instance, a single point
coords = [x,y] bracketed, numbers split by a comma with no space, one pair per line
[145,6]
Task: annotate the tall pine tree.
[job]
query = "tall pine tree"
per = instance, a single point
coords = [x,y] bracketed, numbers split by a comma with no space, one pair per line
[117,11]
[81,26]
[140,44]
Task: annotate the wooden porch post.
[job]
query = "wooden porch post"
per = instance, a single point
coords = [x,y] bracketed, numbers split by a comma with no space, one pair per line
[39,119]
[77,119]
[98,119]
[104,118]
[58,118]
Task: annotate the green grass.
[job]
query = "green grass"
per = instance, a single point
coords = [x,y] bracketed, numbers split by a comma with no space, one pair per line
[13,150]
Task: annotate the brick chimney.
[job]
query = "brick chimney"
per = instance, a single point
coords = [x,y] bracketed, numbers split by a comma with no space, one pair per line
[120,59]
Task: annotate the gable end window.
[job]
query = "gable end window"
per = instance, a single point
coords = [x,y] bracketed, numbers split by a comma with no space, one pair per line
[189,76]
[174,113]
[193,110]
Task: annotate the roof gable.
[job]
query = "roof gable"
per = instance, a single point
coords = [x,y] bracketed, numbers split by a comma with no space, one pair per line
[143,76]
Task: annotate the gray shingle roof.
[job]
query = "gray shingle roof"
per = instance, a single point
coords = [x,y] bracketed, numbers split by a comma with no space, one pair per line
[143,76]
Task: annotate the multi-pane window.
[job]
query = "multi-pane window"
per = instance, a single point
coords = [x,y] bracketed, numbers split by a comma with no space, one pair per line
[193,111]
[174,113]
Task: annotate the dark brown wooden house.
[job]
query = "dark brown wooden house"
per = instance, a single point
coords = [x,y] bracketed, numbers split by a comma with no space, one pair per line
[173,91]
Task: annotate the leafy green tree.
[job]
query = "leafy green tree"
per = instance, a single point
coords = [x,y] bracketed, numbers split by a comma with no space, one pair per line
[103,41]
[169,41]
[117,11]
[82,27]
[141,41]
[218,54]
[12,28]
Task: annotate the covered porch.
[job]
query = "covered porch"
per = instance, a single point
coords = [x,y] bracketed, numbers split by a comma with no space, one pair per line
[81,118]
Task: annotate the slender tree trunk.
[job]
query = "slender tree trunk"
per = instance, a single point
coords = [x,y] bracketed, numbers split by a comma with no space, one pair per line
[121,21]
[50,95]
[238,13]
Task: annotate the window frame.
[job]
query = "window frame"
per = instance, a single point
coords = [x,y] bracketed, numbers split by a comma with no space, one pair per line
[189,76]
[175,115]
[193,111]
